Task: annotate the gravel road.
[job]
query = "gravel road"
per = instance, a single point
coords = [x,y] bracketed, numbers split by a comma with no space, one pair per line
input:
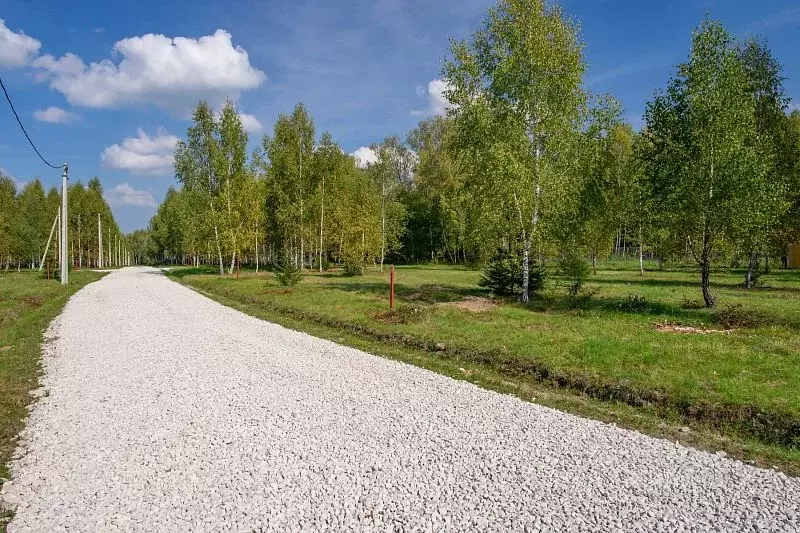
[165,411]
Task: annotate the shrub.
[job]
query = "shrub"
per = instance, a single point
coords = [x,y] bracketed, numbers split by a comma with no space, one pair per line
[503,275]
[352,269]
[288,274]
[575,268]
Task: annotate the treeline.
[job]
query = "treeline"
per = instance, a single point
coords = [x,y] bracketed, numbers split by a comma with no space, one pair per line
[27,217]
[527,167]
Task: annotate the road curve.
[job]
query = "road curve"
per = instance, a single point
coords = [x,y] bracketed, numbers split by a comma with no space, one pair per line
[166,411]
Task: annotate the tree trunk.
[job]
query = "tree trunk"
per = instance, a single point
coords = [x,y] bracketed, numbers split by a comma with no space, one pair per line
[641,253]
[594,263]
[302,248]
[80,248]
[383,226]
[705,276]
[233,262]
[752,267]
[219,251]
[526,268]
[321,221]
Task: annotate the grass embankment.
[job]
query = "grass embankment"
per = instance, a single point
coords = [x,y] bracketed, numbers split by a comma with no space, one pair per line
[28,304]
[737,391]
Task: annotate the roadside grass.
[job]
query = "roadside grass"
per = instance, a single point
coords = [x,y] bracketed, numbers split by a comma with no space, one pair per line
[600,356]
[28,303]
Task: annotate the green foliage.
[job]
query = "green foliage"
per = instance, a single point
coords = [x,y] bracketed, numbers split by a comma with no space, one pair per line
[288,274]
[519,108]
[574,267]
[708,177]
[352,269]
[503,275]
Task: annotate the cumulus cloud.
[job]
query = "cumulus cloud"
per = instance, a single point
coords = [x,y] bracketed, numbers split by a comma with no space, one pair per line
[437,102]
[16,48]
[151,156]
[54,115]
[365,156]
[124,194]
[250,123]
[168,72]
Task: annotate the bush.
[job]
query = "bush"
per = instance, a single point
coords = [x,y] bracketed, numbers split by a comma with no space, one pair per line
[503,275]
[352,269]
[575,268]
[288,274]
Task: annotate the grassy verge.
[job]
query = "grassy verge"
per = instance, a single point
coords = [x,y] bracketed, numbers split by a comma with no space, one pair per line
[738,392]
[28,304]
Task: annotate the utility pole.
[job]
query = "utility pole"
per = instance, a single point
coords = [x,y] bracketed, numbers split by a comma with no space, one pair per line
[64,218]
[99,242]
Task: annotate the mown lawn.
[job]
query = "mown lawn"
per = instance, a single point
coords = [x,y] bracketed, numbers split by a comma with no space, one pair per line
[743,385]
[27,305]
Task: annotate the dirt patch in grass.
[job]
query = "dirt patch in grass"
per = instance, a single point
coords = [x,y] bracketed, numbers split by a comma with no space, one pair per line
[677,328]
[400,315]
[33,301]
[476,304]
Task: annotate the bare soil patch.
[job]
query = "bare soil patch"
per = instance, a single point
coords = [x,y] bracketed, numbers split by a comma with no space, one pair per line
[476,304]
[677,328]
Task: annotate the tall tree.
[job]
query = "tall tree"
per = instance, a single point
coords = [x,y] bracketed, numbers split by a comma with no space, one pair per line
[702,160]
[8,215]
[391,173]
[198,170]
[775,147]
[517,91]
[286,160]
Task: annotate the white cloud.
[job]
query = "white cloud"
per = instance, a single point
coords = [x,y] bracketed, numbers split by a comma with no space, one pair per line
[17,183]
[250,123]
[151,156]
[437,102]
[54,115]
[99,30]
[16,49]
[124,194]
[172,73]
[365,156]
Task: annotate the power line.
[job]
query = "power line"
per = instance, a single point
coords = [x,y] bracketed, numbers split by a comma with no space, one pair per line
[10,103]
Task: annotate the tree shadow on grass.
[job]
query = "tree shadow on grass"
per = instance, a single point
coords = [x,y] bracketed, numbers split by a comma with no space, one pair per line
[192,271]
[661,282]
[429,293]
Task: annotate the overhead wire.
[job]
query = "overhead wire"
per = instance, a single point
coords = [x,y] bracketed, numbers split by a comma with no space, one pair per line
[11,104]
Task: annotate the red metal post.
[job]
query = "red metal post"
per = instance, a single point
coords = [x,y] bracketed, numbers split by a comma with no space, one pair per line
[391,288]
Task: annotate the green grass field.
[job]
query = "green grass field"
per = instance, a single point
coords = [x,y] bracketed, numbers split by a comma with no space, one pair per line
[604,356]
[27,305]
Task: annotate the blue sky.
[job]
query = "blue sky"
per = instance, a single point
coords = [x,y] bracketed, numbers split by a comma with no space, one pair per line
[120,99]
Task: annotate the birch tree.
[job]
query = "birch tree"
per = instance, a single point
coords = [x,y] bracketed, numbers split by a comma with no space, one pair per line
[391,172]
[517,90]
[703,164]
[197,168]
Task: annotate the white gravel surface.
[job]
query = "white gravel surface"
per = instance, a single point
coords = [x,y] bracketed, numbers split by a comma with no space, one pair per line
[166,411]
